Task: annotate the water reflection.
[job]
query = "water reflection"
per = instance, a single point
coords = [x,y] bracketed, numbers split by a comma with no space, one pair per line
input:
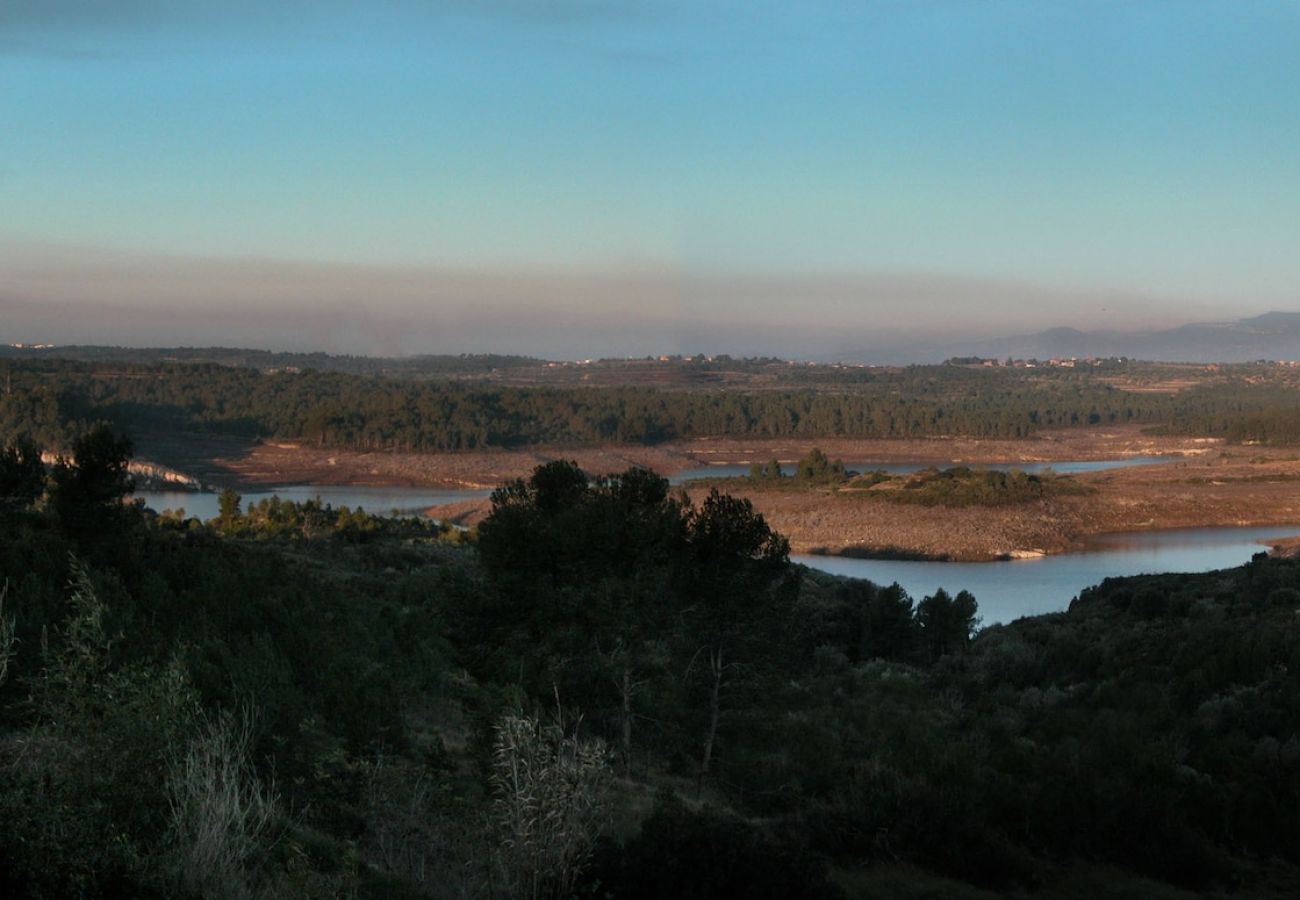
[375,500]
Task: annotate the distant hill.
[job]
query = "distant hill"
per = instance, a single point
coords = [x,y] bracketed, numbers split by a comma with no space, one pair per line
[410,366]
[1273,336]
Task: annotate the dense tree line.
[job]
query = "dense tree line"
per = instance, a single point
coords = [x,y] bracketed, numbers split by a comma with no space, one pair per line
[49,401]
[1265,415]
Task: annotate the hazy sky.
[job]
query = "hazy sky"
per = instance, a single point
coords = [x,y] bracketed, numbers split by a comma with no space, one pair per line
[582,177]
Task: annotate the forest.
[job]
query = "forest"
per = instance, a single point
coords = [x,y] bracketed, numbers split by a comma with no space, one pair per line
[608,691]
[50,401]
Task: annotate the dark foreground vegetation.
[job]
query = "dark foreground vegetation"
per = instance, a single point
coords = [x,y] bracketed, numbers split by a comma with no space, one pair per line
[609,693]
[51,400]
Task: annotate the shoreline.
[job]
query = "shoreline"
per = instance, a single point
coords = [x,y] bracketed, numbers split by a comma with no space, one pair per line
[1207,484]
[226,462]
[1282,548]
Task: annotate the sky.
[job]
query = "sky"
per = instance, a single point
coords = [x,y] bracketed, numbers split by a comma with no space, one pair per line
[575,178]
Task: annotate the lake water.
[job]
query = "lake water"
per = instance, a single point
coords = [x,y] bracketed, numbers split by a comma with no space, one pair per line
[1064,467]
[407,500]
[1024,587]
[375,500]
[1005,590]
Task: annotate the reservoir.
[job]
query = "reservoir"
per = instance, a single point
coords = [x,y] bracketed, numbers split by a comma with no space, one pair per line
[380,501]
[413,500]
[1026,587]
[1005,590]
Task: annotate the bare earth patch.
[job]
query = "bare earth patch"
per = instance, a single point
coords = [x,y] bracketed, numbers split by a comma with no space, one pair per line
[1238,487]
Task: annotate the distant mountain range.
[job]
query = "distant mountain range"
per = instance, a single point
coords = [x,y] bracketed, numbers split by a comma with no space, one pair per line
[1273,336]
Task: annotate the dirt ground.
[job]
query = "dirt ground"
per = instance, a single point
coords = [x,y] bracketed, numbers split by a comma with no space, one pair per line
[1238,488]
[1210,484]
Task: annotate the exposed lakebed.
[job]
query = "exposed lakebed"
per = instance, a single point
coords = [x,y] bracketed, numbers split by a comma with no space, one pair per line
[412,500]
[1005,590]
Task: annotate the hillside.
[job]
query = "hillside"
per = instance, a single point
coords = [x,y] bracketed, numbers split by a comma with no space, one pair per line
[1272,336]
[373,684]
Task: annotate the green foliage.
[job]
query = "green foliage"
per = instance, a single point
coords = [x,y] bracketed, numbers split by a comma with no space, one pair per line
[816,467]
[549,806]
[947,622]
[889,629]
[87,490]
[1128,730]
[726,529]
[228,506]
[1149,731]
[606,591]
[272,518]
[962,486]
[221,814]
[54,400]
[811,471]
[329,642]
[80,792]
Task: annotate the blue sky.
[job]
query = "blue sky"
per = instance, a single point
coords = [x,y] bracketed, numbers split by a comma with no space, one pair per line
[579,177]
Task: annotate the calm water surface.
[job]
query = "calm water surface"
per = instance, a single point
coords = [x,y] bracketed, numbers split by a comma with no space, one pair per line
[1025,587]
[375,500]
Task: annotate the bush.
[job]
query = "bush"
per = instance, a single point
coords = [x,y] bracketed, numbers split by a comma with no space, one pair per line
[549,808]
[221,813]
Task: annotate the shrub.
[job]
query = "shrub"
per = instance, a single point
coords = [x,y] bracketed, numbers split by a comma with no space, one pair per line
[549,808]
[221,813]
